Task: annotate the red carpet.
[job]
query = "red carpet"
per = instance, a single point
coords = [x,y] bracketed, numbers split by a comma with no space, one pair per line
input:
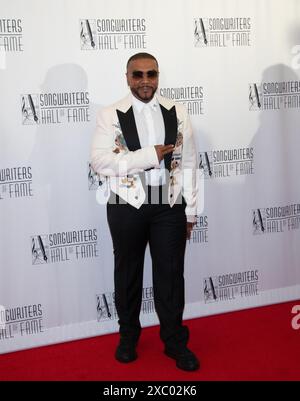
[254,344]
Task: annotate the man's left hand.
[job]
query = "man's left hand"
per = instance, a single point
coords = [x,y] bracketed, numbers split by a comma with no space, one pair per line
[189,227]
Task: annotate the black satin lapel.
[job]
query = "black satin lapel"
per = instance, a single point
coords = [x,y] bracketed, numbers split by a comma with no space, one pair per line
[170,120]
[129,130]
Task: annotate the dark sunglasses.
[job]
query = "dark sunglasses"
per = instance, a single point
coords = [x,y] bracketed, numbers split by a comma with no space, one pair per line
[139,74]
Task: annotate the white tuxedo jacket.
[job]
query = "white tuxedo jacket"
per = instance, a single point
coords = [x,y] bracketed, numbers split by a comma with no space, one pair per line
[116,153]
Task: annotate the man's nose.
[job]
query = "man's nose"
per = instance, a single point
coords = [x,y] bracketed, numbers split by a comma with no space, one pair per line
[145,78]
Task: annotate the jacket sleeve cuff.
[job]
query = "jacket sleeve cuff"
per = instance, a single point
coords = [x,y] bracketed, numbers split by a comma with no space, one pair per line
[190,219]
[152,157]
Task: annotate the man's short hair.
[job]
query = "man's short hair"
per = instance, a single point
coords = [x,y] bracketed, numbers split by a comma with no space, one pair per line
[139,56]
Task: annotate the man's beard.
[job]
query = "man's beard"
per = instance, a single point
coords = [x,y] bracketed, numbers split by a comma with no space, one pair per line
[145,94]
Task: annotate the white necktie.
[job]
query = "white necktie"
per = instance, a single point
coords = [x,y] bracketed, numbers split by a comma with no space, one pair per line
[150,125]
[153,177]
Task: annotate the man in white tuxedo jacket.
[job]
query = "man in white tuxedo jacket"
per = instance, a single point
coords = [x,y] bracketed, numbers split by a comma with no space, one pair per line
[144,145]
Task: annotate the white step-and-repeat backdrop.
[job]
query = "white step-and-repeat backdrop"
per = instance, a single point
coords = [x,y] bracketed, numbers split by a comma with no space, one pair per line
[236,67]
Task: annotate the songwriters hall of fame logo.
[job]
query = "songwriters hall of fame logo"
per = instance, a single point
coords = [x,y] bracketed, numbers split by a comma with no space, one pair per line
[16,182]
[21,321]
[100,184]
[273,95]
[55,108]
[191,96]
[39,249]
[94,180]
[228,287]
[224,163]
[259,221]
[222,32]
[30,109]
[66,246]
[206,166]
[11,35]
[255,97]
[88,34]
[199,233]
[276,219]
[210,290]
[112,34]
[106,308]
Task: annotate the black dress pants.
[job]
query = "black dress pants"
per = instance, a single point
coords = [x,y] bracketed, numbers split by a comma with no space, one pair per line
[164,228]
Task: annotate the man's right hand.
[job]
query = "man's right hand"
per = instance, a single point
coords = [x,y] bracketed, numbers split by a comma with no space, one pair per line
[162,150]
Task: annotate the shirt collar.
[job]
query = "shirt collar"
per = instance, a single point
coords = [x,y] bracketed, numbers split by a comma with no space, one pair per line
[139,105]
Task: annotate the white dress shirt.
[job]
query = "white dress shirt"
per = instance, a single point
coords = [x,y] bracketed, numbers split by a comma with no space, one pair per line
[151,131]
